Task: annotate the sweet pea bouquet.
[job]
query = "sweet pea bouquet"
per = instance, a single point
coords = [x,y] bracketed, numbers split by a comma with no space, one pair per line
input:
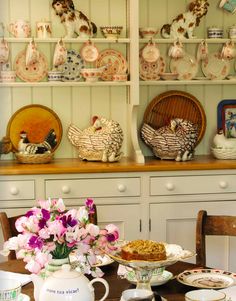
[51,232]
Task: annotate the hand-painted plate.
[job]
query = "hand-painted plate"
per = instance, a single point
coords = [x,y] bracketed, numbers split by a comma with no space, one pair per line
[186,67]
[151,71]
[207,278]
[114,61]
[215,67]
[72,67]
[36,120]
[32,73]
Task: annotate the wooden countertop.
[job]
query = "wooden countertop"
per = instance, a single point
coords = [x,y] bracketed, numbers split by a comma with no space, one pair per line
[63,166]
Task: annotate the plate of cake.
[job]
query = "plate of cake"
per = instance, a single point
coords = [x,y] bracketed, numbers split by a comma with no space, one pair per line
[149,254]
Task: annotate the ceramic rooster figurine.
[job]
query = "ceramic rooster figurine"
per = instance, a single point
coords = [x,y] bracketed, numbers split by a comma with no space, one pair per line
[174,141]
[26,147]
[100,142]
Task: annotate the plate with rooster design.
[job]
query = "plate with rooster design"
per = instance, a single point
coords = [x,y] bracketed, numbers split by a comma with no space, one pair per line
[36,121]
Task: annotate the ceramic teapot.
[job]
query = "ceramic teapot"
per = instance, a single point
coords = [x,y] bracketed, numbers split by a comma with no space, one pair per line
[70,285]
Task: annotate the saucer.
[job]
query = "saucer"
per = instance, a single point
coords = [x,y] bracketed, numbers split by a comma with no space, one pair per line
[23,297]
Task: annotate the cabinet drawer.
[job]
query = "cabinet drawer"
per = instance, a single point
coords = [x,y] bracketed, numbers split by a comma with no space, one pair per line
[17,190]
[192,185]
[74,188]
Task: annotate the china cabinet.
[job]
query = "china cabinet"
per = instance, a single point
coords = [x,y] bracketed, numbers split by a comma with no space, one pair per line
[145,198]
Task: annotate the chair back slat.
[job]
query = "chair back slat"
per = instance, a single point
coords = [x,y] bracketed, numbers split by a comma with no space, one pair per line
[223,225]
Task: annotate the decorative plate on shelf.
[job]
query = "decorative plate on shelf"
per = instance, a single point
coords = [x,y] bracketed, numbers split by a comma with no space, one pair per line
[37,121]
[151,71]
[114,61]
[226,117]
[72,67]
[215,67]
[207,278]
[175,104]
[32,73]
[186,67]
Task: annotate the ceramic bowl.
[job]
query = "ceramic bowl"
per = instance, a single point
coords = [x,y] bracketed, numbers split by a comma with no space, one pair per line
[148,32]
[91,74]
[111,32]
[10,289]
[169,76]
[8,76]
[55,75]
[136,294]
[205,295]
[215,33]
[119,77]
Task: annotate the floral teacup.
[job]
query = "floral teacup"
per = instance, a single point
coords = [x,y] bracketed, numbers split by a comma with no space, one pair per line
[60,54]
[20,29]
[32,54]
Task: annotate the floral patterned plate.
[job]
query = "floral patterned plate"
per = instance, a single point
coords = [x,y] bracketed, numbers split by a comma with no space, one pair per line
[186,67]
[72,67]
[156,280]
[215,67]
[32,73]
[114,61]
[89,52]
[151,71]
[207,278]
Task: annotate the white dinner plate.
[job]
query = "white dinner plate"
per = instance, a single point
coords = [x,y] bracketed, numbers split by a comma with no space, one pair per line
[156,280]
[207,278]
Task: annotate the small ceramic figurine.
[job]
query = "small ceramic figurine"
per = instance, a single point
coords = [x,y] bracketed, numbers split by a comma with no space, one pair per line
[26,147]
[100,142]
[75,22]
[183,25]
[174,141]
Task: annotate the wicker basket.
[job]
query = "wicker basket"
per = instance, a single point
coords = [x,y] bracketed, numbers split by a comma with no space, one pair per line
[34,159]
[175,104]
[224,153]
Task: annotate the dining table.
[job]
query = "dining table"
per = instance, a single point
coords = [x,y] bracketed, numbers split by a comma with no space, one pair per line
[171,290]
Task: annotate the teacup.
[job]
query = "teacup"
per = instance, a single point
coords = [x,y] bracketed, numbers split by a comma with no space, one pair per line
[228,5]
[20,29]
[119,77]
[205,295]
[55,75]
[32,54]
[148,32]
[232,32]
[44,29]
[60,54]
[8,76]
[202,51]
[228,51]
[10,289]
[136,294]
[4,51]
[176,50]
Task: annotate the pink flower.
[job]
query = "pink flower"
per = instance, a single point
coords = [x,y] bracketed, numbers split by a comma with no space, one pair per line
[49,231]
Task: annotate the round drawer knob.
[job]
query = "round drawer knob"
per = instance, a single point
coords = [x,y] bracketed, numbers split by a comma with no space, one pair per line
[121,187]
[223,184]
[14,190]
[170,186]
[65,189]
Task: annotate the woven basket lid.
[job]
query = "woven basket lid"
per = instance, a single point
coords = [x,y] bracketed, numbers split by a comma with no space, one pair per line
[175,104]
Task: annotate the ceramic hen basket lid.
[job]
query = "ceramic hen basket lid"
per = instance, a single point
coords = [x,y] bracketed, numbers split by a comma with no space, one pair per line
[36,120]
[175,104]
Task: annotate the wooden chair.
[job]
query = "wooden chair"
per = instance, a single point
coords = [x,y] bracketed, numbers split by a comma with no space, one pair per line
[211,225]
[9,229]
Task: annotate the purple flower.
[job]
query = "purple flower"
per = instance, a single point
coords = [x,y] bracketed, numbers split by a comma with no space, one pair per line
[29,213]
[111,237]
[46,214]
[90,205]
[35,242]
[68,221]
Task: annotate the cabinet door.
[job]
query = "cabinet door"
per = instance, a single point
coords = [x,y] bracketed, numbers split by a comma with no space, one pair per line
[176,223]
[126,217]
